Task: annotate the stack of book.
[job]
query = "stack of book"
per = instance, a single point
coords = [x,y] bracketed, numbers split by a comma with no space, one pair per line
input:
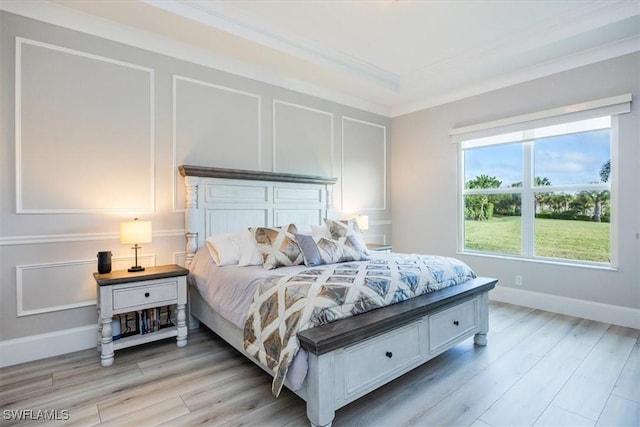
[145,321]
[149,320]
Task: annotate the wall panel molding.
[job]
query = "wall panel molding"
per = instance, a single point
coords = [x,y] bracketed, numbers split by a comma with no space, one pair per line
[180,258]
[344,182]
[84,269]
[41,346]
[375,238]
[77,237]
[176,175]
[275,104]
[76,193]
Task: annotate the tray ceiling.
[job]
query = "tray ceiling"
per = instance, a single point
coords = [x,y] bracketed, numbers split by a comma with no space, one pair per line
[389,57]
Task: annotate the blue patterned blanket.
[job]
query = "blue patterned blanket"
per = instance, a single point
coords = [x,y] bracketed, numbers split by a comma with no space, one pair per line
[286,304]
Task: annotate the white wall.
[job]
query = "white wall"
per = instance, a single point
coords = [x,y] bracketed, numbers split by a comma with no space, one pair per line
[92,134]
[424,189]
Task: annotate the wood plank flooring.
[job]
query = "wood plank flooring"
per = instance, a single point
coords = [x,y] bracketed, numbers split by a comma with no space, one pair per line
[539,369]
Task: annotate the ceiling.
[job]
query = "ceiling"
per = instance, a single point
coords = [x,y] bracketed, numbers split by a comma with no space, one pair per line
[388,57]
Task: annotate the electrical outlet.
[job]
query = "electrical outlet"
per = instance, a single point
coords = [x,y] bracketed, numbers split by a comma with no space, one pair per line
[519,280]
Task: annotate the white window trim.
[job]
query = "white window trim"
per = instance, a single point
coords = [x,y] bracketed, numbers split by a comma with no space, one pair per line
[612,106]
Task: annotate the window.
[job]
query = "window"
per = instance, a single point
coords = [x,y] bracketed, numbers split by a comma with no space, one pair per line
[542,185]
[542,193]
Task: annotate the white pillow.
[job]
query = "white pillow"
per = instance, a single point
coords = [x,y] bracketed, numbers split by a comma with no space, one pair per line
[224,248]
[320,231]
[249,254]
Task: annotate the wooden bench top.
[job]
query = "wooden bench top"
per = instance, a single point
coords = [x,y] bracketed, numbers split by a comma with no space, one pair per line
[341,333]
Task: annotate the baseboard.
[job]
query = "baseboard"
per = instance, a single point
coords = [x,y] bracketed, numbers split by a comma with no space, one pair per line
[607,313]
[34,347]
[41,346]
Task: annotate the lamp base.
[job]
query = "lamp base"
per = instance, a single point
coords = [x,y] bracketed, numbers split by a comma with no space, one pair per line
[135,268]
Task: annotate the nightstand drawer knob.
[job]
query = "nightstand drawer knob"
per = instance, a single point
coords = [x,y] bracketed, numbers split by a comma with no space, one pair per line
[146,294]
[389,354]
[455,322]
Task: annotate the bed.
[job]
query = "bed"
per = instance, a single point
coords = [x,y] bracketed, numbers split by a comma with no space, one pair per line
[347,358]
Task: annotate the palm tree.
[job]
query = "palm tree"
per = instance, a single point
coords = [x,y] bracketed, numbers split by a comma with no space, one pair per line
[581,203]
[540,198]
[605,171]
[560,202]
[484,181]
[598,198]
[477,206]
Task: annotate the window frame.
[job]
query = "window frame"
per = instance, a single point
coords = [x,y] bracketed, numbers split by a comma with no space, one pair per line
[608,107]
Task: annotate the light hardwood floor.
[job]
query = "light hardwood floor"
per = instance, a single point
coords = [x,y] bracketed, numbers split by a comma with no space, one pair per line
[539,369]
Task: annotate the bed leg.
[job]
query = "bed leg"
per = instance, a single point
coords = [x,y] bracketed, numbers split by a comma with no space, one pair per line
[321,389]
[193,322]
[480,339]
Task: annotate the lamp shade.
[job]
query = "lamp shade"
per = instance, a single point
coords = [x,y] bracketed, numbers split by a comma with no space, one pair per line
[132,232]
[363,222]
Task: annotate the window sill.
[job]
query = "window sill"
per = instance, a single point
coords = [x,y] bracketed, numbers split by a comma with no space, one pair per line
[576,264]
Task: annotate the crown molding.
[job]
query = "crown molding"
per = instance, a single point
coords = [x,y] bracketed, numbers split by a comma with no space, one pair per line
[566,63]
[213,15]
[591,16]
[404,94]
[78,21]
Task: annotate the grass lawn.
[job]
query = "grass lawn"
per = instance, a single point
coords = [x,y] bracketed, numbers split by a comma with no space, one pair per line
[554,238]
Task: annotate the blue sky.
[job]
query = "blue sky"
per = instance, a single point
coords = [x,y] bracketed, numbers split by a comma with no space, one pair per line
[568,159]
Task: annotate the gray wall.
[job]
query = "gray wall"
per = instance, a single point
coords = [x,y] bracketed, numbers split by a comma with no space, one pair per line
[102,127]
[424,180]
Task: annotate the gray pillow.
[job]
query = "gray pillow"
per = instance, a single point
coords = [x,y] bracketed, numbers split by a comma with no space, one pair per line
[309,250]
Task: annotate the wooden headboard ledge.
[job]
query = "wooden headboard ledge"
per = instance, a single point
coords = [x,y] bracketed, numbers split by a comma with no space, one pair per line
[206,172]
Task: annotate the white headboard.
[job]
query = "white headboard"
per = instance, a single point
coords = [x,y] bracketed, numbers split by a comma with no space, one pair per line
[226,200]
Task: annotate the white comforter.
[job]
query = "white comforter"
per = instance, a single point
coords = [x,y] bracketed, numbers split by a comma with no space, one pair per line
[229,291]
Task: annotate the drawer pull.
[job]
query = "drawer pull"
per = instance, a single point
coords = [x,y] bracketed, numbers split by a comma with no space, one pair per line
[455,322]
[389,354]
[146,294]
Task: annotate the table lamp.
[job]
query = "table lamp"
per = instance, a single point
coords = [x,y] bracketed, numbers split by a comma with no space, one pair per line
[363,222]
[135,232]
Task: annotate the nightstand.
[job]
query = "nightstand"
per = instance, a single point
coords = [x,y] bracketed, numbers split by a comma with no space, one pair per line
[141,293]
[378,247]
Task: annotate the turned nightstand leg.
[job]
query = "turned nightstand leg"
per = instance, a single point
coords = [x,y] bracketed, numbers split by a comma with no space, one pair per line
[106,355]
[99,345]
[182,326]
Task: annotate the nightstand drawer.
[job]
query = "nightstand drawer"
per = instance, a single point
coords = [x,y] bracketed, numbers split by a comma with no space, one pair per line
[134,296]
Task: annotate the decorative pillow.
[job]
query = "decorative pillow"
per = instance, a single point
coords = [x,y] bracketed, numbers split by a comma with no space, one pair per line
[278,246]
[320,231]
[318,250]
[224,248]
[249,254]
[353,248]
[341,228]
[348,228]
[309,249]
